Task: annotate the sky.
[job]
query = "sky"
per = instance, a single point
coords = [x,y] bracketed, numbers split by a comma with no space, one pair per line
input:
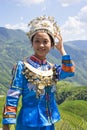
[70,15]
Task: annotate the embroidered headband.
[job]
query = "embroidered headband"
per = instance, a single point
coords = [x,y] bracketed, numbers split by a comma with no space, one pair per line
[44,24]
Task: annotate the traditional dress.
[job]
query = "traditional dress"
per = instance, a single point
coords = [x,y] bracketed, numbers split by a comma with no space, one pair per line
[39,110]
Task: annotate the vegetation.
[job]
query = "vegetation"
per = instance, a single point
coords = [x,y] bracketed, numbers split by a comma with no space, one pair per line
[15,46]
[73,115]
[68,91]
[71,97]
[72,102]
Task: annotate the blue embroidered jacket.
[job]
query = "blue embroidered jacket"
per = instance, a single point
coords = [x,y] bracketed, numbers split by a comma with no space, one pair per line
[34,110]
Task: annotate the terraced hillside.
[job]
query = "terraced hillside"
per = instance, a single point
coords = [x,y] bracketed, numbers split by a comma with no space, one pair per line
[73,110]
[15,46]
[73,115]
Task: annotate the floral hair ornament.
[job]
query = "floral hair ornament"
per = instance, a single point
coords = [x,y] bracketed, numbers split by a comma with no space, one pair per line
[43,24]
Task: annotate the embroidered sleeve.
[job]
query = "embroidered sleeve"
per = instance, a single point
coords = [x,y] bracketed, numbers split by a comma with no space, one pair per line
[13,94]
[67,69]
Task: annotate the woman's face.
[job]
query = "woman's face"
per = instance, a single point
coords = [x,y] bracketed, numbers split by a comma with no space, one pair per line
[41,44]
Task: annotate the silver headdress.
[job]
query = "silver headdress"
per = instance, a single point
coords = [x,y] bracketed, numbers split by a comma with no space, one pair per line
[43,23]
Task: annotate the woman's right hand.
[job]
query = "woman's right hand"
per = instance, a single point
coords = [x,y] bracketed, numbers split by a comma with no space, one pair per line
[6,127]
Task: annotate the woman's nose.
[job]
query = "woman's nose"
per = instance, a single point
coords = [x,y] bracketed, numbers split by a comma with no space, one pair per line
[41,44]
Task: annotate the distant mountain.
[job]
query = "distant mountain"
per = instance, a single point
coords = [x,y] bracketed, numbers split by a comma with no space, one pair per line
[80,59]
[15,46]
[78,44]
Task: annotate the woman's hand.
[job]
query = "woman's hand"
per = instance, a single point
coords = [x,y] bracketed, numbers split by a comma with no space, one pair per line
[59,45]
[6,127]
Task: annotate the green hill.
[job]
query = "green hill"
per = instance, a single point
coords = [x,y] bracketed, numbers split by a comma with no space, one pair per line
[72,102]
[15,46]
[69,91]
[80,44]
[73,115]
[70,96]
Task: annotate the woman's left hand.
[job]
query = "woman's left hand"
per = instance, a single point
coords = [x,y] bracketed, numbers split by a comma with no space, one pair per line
[60,45]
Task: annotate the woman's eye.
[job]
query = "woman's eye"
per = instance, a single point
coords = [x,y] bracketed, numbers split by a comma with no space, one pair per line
[37,41]
[45,42]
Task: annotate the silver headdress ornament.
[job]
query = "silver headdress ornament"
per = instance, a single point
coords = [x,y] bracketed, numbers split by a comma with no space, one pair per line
[45,24]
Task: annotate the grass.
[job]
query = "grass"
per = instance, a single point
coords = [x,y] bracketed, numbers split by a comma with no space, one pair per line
[73,113]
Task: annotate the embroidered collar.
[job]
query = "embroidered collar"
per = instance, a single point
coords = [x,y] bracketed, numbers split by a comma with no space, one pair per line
[39,78]
[35,59]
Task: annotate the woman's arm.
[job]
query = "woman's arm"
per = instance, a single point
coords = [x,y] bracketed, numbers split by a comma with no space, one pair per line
[12,98]
[67,69]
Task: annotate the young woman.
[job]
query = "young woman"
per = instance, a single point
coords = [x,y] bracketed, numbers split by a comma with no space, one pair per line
[35,79]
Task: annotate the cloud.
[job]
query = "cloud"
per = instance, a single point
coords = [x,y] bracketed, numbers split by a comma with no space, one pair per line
[21,18]
[29,2]
[66,3]
[83,14]
[75,28]
[44,9]
[21,26]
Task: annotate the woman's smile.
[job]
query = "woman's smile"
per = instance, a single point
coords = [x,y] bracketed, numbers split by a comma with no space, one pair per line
[41,44]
